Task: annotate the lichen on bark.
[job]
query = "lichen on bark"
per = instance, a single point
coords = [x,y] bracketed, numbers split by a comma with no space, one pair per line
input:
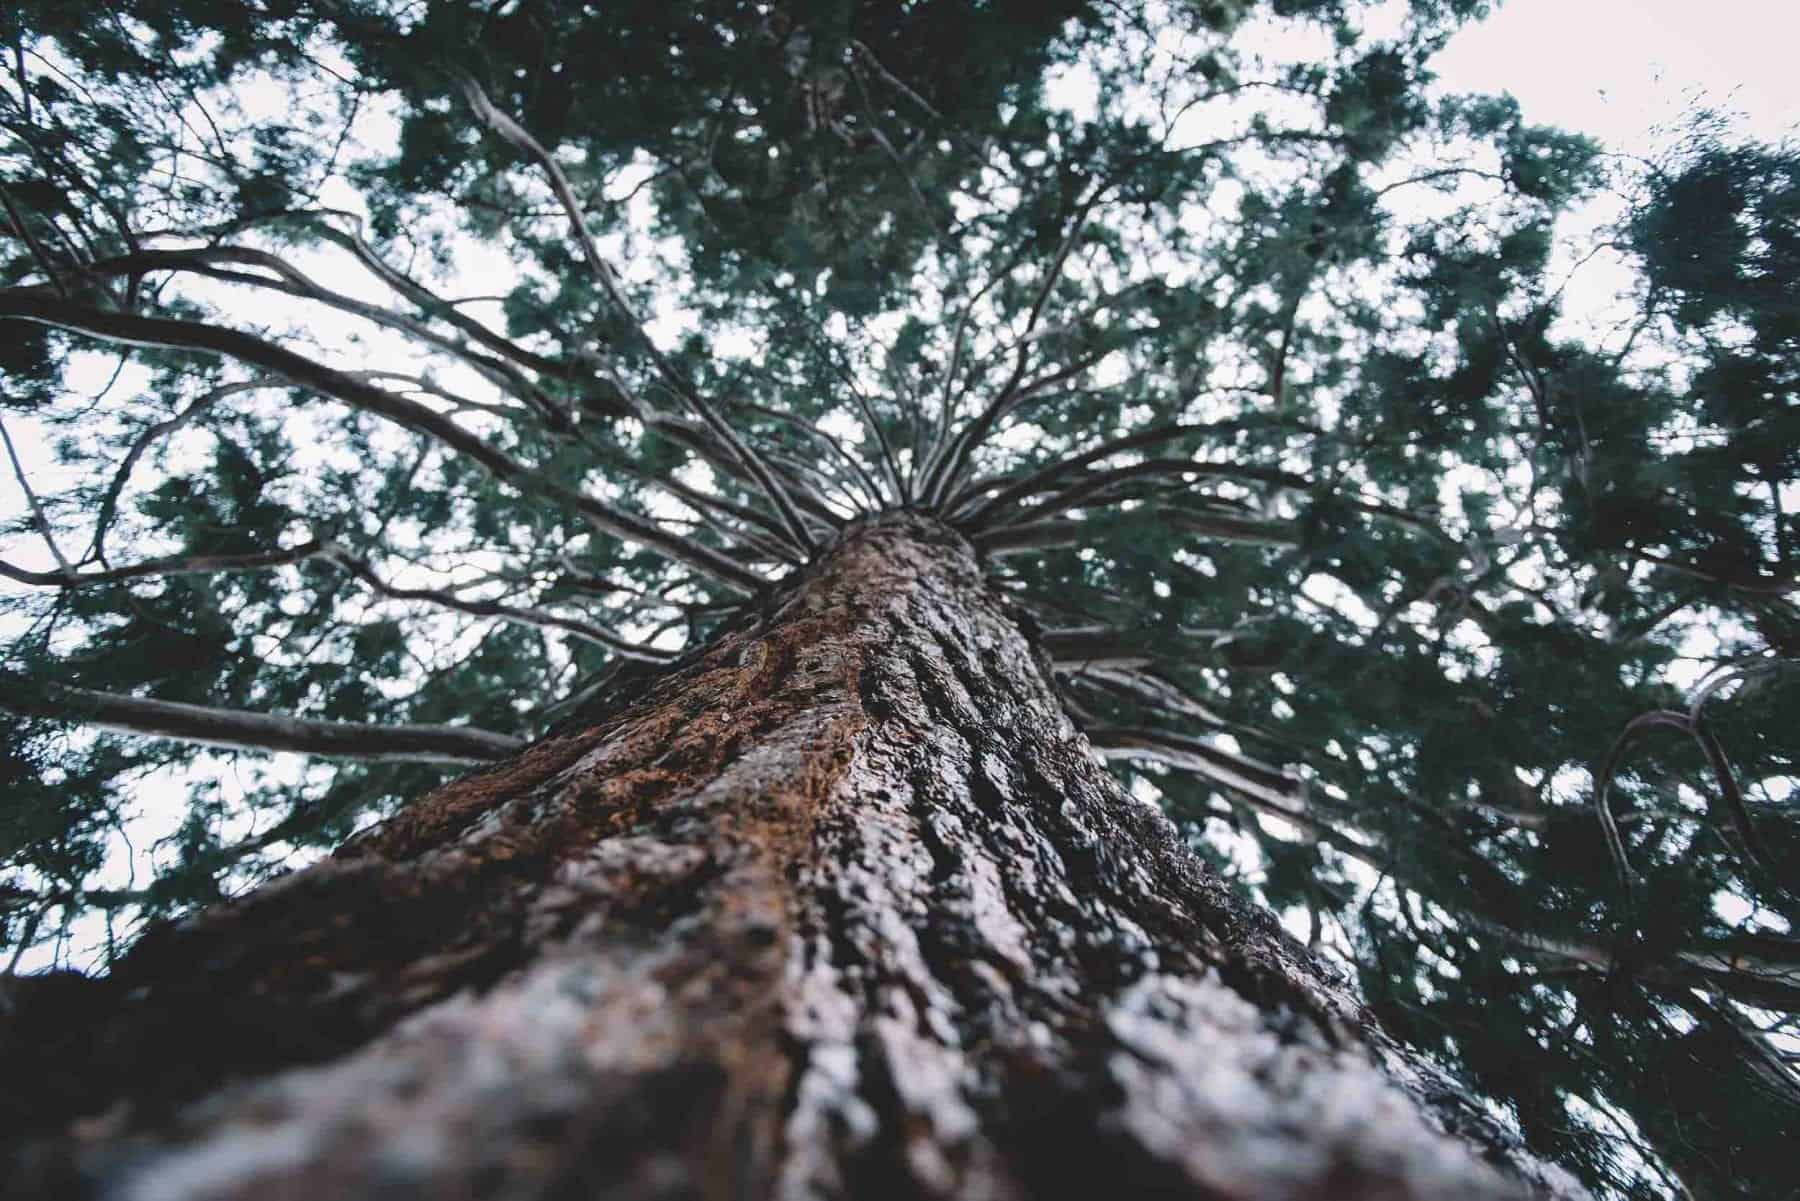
[842,905]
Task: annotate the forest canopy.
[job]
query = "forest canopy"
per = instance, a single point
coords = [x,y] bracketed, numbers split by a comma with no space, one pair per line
[386,385]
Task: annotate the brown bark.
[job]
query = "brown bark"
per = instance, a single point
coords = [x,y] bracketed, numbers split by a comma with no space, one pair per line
[841,906]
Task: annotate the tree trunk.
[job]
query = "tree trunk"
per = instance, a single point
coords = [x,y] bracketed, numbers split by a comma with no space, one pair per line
[839,906]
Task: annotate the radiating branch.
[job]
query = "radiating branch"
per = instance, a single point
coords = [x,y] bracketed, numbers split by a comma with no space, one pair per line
[946,470]
[527,615]
[132,330]
[1020,485]
[517,135]
[1074,531]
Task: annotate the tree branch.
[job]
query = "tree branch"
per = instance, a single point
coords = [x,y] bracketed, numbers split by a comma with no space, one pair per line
[241,730]
[290,281]
[167,566]
[1262,785]
[516,134]
[38,516]
[132,330]
[947,469]
[517,614]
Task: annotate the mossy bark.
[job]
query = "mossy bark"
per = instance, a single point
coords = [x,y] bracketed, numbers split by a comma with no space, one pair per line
[842,906]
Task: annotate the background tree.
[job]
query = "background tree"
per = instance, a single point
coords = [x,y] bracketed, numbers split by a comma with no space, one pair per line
[1246,375]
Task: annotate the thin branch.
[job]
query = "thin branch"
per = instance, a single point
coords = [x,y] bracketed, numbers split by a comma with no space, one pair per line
[303,372]
[1066,531]
[242,730]
[167,566]
[1020,486]
[38,252]
[865,482]
[516,134]
[38,515]
[1099,646]
[1756,586]
[946,469]
[925,459]
[776,543]
[162,429]
[517,614]
[1264,786]
[290,281]
[889,464]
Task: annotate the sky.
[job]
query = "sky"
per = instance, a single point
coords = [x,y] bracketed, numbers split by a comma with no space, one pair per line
[1614,69]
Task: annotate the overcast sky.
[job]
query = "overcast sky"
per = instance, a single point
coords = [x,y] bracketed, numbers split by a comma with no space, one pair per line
[1615,68]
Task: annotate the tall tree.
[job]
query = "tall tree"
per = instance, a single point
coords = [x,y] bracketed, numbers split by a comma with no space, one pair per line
[891,451]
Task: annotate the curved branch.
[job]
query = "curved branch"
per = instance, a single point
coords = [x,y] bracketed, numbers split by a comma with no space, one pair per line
[167,566]
[516,134]
[1071,531]
[241,730]
[517,614]
[1020,486]
[1264,786]
[1749,846]
[131,330]
[1100,481]
[162,429]
[291,281]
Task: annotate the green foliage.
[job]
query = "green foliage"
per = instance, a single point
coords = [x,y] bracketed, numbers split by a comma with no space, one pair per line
[1387,534]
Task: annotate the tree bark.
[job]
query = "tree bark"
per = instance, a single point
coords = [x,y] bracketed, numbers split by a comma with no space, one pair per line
[841,905]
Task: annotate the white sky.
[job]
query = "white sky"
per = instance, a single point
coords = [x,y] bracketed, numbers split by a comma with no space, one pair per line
[1613,69]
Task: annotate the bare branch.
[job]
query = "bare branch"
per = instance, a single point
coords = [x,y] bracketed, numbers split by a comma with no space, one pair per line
[162,429]
[38,516]
[527,615]
[865,483]
[516,134]
[241,730]
[17,220]
[1098,646]
[1148,688]
[1177,470]
[776,544]
[889,464]
[1223,527]
[132,330]
[290,281]
[946,470]
[167,566]
[1066,531]
[1017,487]
[1262,785]
[1755,585]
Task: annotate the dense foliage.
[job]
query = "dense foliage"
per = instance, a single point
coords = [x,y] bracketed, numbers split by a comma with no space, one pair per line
[418,373]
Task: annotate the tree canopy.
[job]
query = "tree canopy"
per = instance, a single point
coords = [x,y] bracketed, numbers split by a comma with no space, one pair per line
[390,383]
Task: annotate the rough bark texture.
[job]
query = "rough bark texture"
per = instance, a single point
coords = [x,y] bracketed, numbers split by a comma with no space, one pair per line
[842,906]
